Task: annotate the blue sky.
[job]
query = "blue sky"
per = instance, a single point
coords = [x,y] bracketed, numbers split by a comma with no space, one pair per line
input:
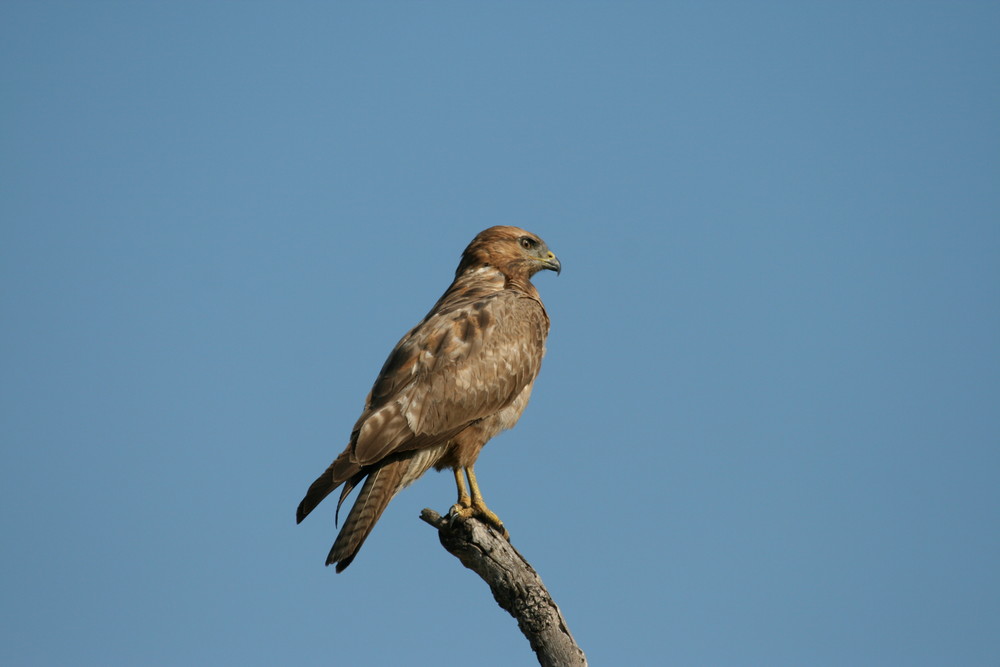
[767,428]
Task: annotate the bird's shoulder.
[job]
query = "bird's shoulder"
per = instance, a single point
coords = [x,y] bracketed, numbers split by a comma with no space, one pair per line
[468,358]
[472,320]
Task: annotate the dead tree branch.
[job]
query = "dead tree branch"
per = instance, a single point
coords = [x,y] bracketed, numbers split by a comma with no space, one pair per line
[515,584]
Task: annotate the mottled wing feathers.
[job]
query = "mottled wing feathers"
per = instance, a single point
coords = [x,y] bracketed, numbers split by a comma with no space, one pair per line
[457,366]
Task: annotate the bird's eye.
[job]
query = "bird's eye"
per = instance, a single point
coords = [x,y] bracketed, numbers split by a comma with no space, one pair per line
[527,243]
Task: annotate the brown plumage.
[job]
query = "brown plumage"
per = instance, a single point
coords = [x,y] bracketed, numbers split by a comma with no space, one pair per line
[453,382]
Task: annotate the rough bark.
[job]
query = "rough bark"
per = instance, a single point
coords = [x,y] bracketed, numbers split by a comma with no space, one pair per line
[515,584]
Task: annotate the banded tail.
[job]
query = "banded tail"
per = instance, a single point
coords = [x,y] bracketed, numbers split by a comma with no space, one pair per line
[378,489]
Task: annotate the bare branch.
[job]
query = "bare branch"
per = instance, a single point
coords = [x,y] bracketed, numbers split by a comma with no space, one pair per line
[515,584]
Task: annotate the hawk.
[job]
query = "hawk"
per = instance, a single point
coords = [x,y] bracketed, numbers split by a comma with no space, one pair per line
[458,378]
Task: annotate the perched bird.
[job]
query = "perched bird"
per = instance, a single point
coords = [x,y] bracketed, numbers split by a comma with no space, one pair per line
[458,378]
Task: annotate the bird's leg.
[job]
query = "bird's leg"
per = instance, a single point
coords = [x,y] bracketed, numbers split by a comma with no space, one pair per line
[464,501]
[476,506]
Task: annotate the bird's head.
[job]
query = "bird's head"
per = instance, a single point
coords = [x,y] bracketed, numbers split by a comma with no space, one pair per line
[515,252]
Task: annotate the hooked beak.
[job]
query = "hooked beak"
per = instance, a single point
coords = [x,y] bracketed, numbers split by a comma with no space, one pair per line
[552,263]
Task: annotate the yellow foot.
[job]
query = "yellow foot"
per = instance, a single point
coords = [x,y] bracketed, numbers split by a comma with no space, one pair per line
[481,512]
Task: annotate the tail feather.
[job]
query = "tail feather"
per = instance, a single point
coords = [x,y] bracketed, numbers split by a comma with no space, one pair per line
[340,470]
[346,491]
[318,490]
[379,488]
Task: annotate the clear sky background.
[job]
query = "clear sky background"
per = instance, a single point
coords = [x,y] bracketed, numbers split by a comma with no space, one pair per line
[767,431]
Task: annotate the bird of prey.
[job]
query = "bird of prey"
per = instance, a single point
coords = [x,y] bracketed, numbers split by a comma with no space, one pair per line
[458,378]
